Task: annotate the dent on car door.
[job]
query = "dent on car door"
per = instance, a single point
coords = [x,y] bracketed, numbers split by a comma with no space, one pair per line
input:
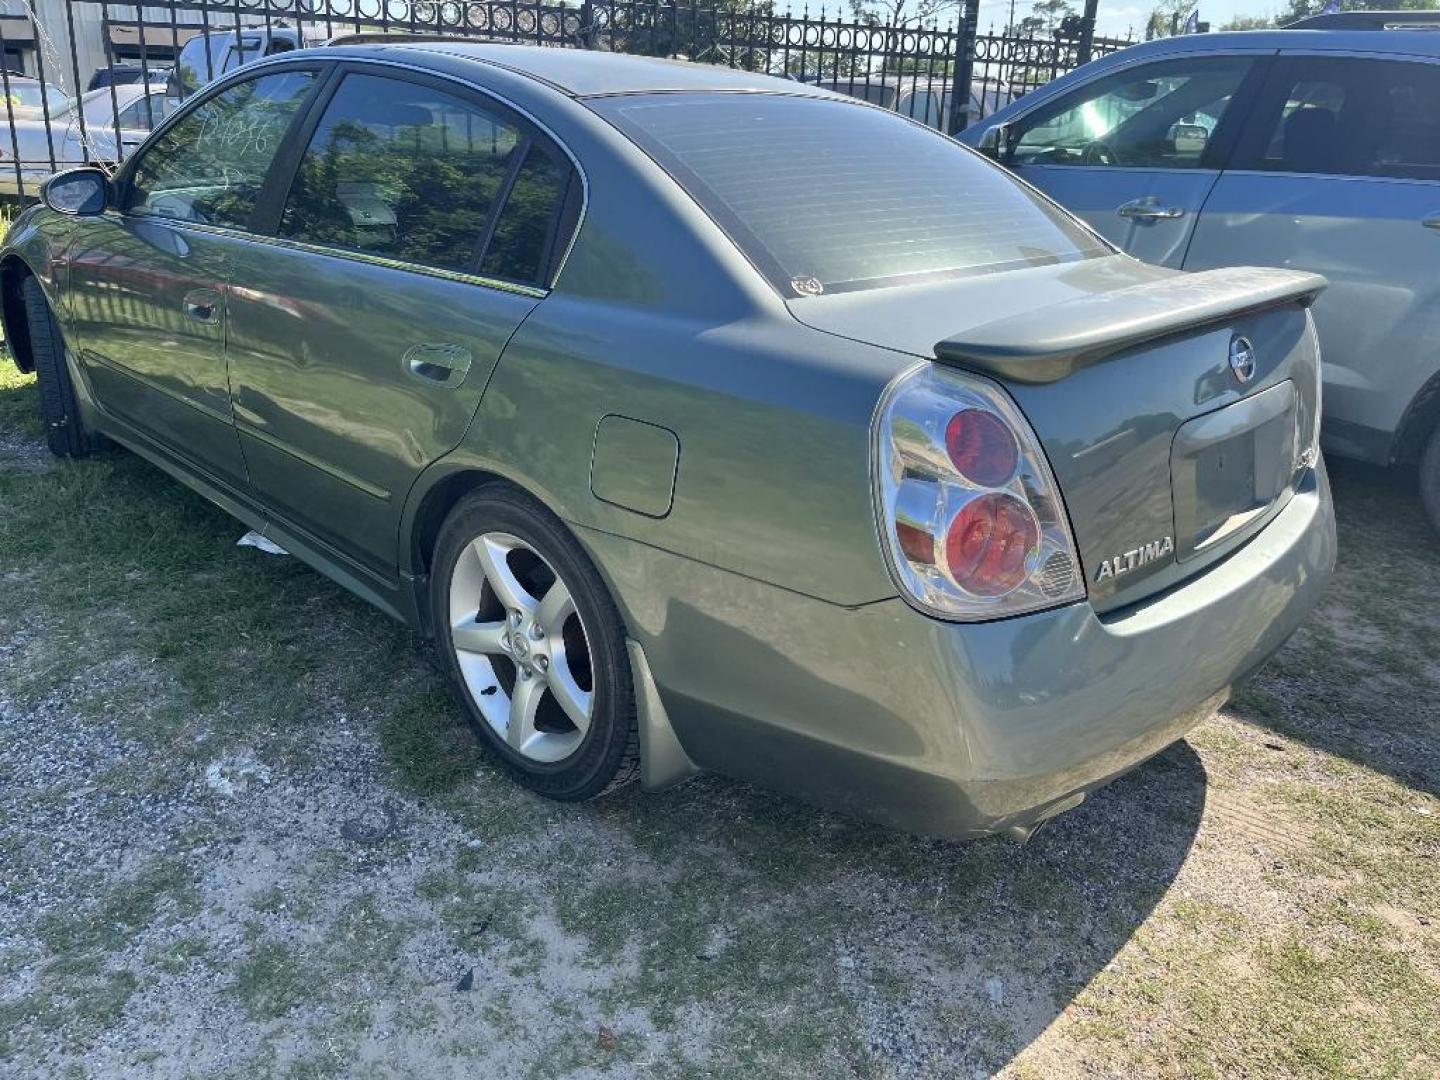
[148,279]
[362,338]
[1136,152]
[1338,172]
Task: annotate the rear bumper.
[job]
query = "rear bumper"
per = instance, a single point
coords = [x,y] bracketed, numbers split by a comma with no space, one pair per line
[953,729]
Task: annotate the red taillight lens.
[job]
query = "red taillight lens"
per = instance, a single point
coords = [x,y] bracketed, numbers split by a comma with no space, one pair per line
[988,544]
[981,447]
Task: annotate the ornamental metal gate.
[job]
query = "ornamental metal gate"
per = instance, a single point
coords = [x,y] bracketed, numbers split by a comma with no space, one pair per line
[84,81]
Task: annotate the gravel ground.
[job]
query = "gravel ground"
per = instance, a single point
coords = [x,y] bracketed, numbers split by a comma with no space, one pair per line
[243,833]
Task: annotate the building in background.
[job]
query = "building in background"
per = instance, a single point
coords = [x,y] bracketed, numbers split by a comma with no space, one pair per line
[102,34]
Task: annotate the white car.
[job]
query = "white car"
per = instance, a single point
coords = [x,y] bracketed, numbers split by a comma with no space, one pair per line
[922,98]
[29,99]
[109,122]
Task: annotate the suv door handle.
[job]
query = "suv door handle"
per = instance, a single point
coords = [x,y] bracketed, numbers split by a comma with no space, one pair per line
[1431,222]
[437,362]
[1148,209]
[202,305]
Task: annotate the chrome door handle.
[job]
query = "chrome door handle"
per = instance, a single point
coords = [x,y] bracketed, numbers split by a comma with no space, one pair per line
[1148,209]
[202,305]
[437,362]
[1431,222]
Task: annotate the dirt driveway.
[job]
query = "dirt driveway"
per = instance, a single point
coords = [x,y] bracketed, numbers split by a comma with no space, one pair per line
[243,833]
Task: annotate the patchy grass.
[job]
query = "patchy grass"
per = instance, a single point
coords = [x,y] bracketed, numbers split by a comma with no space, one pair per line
[244,832]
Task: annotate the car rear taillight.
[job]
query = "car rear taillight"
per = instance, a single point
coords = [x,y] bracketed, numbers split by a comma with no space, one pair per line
[972,519]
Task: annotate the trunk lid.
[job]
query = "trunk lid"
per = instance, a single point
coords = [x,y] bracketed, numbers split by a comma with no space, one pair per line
[1166,459]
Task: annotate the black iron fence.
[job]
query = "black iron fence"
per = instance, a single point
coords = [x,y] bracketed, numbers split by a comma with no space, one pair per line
[84,81]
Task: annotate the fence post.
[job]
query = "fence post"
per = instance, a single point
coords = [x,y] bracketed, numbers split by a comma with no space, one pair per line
[588,36]
[964,69]
[1087,32]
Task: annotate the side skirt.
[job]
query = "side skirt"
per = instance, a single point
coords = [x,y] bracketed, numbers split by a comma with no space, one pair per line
[394,601]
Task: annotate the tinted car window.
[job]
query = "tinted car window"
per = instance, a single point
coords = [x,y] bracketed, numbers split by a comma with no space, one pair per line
[209,166]
[520,248]
[829,195]
[1160,116]
[145,112]
[1347,117]
[401,170]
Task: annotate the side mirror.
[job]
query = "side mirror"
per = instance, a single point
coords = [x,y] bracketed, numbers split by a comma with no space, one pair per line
[1189,138]
[77,192]
[998,143]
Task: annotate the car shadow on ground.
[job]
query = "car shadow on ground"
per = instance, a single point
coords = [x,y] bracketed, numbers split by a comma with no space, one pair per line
[1361,677]
[960,953]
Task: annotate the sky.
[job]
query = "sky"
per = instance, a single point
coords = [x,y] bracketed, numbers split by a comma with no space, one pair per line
[1114,18]
[1118,15]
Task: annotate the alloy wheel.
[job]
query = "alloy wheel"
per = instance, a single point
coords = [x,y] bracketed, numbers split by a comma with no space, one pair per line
[521,647]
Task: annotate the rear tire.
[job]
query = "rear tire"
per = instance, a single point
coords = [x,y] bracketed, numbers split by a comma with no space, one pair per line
[64,430]
[1430,478]
[533,646]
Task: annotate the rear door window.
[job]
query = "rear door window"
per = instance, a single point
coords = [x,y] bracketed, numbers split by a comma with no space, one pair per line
[829,196]
[1346,116]
[521,247]
[406,171]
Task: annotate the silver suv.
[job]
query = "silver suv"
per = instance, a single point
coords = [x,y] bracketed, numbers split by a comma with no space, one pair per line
[1311,148]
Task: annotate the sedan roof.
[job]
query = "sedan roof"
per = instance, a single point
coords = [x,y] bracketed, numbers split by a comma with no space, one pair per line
[583,73]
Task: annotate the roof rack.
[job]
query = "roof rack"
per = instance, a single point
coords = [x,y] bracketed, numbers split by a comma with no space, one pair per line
[1370,20]
[405,37]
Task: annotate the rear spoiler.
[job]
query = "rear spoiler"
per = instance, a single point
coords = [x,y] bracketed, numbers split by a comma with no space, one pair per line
[1047,347]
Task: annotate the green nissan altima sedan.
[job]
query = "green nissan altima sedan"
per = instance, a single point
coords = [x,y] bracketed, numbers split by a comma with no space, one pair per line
[704,420]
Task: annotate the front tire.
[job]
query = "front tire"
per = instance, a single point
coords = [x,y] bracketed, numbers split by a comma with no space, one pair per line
[1430,478]
[64,430]
[533,646]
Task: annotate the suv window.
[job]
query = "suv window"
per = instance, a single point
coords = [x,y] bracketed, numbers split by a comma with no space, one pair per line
[1159,116]
[1347,117]
[410,172]
[209,166]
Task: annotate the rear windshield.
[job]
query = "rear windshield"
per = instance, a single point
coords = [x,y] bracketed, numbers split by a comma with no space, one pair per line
[829,196]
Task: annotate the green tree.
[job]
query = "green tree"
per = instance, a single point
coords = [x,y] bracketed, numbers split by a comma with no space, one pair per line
[712,32]
[1168,18]
[1299,9]
[1249,22]
[904,12]
[1049,14]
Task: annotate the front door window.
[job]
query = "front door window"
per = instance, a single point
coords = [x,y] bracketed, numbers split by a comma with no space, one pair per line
[210,165]
[1159,116]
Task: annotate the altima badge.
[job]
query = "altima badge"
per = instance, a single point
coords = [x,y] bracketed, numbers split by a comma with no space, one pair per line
[1242,359]
[1135,558]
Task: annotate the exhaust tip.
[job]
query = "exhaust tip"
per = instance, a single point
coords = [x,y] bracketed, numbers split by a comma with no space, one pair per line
[1022,834]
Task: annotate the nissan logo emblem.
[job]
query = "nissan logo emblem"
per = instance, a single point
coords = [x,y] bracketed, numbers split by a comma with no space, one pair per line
[1242,359]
